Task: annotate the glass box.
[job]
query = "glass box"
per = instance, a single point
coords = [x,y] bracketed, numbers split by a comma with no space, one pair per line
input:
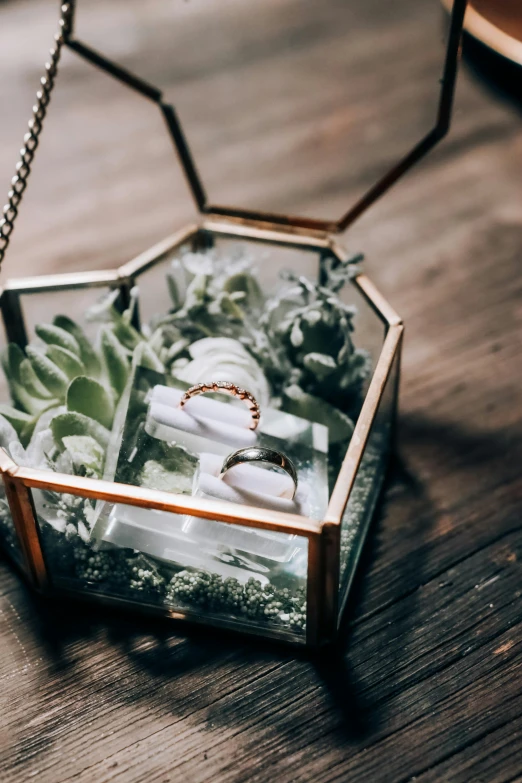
[130,529]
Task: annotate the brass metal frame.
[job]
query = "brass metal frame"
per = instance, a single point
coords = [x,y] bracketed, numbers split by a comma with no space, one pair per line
[323,537]
[307,234]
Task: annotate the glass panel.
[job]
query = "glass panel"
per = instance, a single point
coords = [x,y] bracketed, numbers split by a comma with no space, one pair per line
[245,312]
[4,390]
[269,260]
[160,446]
[291,106]
[368,482]
[155,292]
[8,538]
[79,304]
[209,570]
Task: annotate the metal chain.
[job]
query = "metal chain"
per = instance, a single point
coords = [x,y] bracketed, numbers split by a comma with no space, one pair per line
[43,96]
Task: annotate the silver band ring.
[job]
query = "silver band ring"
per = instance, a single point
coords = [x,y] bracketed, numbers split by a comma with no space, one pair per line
[227,388]
[261,454]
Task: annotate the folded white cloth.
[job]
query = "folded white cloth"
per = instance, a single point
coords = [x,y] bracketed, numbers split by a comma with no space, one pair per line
[212,487]
[248,477]
[210,428]
[276,423]
[175,424]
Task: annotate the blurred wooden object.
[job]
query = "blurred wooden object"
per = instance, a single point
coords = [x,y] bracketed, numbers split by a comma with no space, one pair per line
[426,685]
[497,24]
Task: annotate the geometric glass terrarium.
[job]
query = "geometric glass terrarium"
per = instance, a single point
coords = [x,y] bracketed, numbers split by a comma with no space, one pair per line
[111,494]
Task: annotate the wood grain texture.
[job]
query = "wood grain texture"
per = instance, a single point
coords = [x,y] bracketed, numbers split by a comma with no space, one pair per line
[426,683]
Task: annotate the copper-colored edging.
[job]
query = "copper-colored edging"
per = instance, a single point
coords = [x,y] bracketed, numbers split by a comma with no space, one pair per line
[348,472]
[437,133]
[323,537]
[377,301]
[220,510]
[24,521]
[331,530]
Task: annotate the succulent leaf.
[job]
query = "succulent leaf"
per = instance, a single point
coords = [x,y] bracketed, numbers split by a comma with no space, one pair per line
[31,383]
[145,357]
[87,353]
[55,335]
[66,360]
[48,373]
[72,423]
[88,396]
[8,433]
[12,358]
[320,364]
[19,420]
[116,361]
[246,283]
[296,335]
[126,333]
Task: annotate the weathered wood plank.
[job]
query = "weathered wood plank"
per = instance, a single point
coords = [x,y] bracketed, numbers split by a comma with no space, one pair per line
[426,683]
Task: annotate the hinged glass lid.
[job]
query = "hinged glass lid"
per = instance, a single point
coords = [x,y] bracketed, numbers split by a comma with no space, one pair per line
[249,97]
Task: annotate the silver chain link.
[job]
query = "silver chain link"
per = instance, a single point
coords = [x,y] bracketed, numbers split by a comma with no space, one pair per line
[43,96]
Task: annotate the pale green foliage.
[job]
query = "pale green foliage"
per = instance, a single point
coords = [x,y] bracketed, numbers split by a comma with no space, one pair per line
[72,423]
[294,350]
[301,339]
[66,360]
[215,296]
[63,382]
[85,451]
[17,419]
[90,397]
[55,335]
[48,373]
[87,353]
[156,475]
[311,327]
[116,360]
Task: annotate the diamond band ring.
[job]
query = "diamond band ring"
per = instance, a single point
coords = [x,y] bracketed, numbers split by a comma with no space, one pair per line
[227,388]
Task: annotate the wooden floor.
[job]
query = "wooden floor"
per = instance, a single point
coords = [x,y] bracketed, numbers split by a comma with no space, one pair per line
[295,104]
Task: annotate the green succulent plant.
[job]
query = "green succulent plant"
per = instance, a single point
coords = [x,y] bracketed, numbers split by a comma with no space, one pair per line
[312,328]
[65,383]
[294,350]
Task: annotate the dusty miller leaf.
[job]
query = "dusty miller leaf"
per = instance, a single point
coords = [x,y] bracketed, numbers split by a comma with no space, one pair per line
[19,420]
[8,433]
[320,364]
[85,451]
